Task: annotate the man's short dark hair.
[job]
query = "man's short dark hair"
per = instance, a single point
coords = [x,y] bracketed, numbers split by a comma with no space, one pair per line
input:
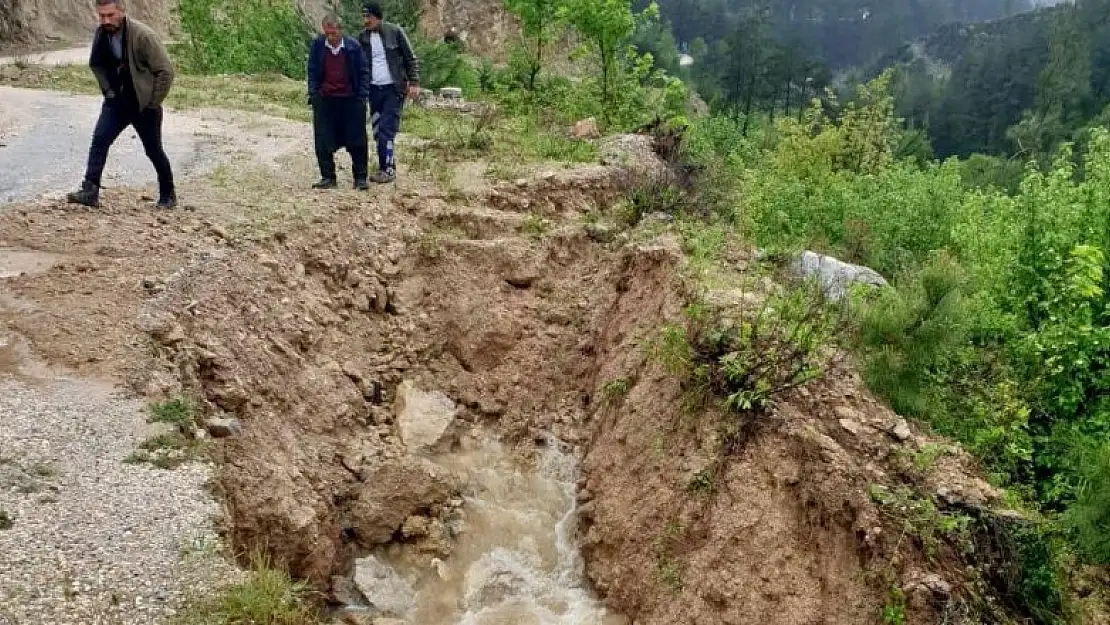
[372,8]
[104,3]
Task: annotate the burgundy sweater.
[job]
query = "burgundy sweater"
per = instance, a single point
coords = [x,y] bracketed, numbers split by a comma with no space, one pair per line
[336,83]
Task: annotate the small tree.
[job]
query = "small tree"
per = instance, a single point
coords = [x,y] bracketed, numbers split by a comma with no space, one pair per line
[539,20]
[606,25]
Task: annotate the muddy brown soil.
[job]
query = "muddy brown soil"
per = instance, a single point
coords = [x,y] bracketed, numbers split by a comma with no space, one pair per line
[298,314]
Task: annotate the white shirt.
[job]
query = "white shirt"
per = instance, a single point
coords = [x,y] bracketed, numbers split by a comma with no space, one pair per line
[379,67]
[334,49]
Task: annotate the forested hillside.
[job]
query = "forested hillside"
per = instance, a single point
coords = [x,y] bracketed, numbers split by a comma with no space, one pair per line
[838,32]
[1018,85]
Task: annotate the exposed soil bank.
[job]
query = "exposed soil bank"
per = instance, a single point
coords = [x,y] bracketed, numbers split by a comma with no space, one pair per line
[307,331]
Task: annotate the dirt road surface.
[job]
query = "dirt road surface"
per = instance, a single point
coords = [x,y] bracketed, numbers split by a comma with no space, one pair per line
[85,536]
[44,142]
[68,56]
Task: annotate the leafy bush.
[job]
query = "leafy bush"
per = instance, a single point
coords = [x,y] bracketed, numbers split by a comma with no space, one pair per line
[243,37]
[748,358]
[907,333]
[1089,517]
[443,65]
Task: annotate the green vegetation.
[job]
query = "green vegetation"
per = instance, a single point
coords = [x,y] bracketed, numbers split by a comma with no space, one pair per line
[179,412]
[169,450]
[243,37]
[894,610]
[996,331]
[268,596]
[667,567]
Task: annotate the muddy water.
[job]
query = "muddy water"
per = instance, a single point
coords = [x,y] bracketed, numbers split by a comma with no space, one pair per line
[515,562]
[14,262]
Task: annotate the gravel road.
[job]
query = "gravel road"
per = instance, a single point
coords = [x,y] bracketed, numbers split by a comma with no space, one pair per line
[85,537]
[44,142]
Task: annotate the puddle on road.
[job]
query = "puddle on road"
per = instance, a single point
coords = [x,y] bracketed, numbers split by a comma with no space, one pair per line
[16,262]
[515,561]
[18,362]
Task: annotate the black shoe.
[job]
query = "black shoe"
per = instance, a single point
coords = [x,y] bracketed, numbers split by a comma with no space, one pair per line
[167,200]
[382,177]
[89,195]
[360,185]
[325,183]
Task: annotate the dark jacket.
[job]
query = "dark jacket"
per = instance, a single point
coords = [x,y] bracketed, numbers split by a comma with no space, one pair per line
[150,68]
[358,67]
[404,67]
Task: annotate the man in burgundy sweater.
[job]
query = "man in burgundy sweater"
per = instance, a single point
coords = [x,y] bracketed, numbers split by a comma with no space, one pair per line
[338,88]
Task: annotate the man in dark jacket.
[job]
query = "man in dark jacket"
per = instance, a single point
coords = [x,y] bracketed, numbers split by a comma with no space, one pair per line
[135,73]
[338,87]
[394,73]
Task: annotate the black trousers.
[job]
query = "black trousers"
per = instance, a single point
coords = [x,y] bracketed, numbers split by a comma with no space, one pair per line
[116,114]
[340,123]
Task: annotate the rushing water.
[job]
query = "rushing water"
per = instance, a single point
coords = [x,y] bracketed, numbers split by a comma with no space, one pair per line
[514,562]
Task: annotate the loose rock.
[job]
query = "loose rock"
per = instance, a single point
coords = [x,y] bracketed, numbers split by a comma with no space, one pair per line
[423,417]
[383,587]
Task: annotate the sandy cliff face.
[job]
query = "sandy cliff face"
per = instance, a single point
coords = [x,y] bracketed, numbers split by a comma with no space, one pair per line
[31,22]
[483,25]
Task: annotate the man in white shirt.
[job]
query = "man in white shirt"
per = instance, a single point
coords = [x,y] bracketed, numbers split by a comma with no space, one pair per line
[394,73]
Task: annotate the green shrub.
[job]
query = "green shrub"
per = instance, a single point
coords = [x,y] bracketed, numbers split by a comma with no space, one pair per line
[243,37]
[1089,516]
[746,359]
[907,332]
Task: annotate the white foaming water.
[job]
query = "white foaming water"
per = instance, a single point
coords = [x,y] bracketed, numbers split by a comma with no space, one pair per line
[515,562]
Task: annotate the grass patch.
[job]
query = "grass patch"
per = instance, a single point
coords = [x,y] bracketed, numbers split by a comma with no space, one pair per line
[167,451]
[921,519]
[270,94]
[268,596]
[507,141]
[536,226]
[667,566]
[615,388]
[179,412]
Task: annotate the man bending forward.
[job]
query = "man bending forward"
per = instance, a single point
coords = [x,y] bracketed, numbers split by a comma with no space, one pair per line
[135,74]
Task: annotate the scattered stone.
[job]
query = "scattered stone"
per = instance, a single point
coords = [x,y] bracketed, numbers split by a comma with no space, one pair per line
[415,527]
[835,276]
[381,299]
[383,587]
[586,129]
[344,591]
[451,93]
[522,279]
[219,231]
[223,427]
[930,582]
[423,416]
[901,430]
[851,426]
